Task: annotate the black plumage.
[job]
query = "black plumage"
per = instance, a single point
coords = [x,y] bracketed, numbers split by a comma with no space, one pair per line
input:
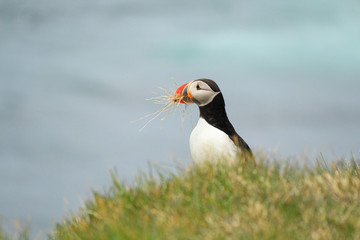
[215,114]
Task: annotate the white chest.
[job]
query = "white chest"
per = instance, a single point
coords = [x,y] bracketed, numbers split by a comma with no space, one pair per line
[208,143]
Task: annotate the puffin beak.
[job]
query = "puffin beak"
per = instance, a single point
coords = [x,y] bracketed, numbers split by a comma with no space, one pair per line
[183,93]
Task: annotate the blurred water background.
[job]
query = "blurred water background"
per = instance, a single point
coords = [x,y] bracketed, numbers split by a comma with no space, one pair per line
[74,74]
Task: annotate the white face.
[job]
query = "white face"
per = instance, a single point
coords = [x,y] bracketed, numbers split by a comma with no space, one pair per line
[202,93]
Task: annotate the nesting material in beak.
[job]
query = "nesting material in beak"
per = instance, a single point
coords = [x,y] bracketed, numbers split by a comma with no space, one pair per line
[183,95]
[170,101]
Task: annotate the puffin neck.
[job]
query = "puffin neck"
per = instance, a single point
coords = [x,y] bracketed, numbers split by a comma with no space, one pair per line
[215,114]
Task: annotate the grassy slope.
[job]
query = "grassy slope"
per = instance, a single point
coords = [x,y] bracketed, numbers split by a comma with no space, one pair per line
[226,201]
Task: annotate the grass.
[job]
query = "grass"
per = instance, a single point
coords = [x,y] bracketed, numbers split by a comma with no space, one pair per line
[226,200]
[21,232]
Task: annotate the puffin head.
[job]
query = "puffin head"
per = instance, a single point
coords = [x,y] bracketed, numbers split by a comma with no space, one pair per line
[201,91]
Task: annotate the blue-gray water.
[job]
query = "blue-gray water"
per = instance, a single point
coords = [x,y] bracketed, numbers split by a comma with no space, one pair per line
[74,74]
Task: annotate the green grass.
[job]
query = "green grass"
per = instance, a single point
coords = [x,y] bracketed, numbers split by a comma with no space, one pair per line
[21,232]
[226,200]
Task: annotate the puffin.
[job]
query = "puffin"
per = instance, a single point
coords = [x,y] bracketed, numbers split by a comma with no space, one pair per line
[214,137]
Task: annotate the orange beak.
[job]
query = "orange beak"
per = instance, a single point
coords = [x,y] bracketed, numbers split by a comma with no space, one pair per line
[184,94]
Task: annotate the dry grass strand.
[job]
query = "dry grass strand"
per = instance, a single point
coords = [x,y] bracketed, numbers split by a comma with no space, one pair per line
[170,102]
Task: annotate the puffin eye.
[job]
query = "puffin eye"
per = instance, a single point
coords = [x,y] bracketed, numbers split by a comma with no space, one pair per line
[197,86]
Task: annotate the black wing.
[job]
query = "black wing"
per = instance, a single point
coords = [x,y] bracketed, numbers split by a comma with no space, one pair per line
[240,143]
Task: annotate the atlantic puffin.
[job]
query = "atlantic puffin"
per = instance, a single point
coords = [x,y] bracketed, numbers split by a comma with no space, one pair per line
[214,137]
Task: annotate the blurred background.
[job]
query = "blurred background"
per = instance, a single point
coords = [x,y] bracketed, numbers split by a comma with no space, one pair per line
[75,74]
